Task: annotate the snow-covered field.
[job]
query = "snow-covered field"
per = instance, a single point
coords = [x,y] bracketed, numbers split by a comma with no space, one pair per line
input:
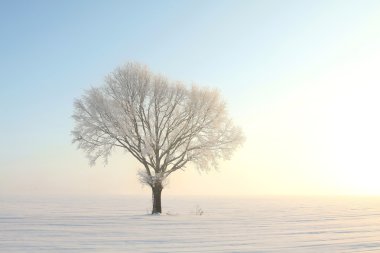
[121,224]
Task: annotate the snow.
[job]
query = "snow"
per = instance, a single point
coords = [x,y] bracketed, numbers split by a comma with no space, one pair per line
[122,224]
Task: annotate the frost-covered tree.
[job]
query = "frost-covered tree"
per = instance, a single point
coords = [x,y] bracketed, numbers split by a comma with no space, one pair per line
[164,124]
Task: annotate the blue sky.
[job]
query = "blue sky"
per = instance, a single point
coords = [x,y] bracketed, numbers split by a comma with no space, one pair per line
[256,52]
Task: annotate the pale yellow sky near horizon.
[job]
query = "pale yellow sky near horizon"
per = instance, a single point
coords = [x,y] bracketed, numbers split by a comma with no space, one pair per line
[317,139]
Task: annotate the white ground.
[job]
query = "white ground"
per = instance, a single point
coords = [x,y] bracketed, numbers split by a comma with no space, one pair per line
[121,224]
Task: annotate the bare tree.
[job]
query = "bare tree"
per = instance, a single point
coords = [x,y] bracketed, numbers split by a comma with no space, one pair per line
[164,124]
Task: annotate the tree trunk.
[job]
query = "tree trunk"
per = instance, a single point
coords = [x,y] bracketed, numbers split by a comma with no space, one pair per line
[156,195]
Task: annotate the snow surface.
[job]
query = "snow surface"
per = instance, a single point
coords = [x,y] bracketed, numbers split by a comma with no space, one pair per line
[121,224]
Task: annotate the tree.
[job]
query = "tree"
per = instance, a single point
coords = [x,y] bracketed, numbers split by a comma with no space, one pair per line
[164,124]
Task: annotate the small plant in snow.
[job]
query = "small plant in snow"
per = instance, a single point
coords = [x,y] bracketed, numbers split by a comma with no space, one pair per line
[198,210]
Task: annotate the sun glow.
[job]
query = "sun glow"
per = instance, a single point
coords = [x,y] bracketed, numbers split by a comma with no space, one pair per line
[321,137]
[355,124]
[355,141]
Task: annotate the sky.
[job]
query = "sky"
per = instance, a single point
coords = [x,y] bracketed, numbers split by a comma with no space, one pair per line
[300,77]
